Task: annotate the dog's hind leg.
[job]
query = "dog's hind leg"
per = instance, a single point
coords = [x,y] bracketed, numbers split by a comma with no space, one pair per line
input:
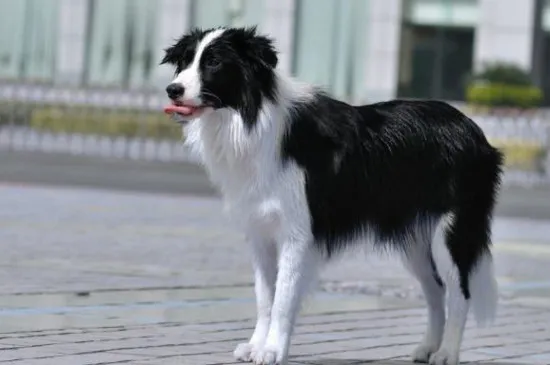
[463,259]
[418,260]
[461,251]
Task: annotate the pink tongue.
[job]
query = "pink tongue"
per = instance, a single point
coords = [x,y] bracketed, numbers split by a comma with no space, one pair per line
[180,109]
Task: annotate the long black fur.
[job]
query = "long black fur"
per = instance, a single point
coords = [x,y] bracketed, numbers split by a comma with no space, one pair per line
[386,167]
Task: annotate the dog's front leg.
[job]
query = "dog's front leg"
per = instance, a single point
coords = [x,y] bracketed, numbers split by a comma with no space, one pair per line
[298,268]
[265,273]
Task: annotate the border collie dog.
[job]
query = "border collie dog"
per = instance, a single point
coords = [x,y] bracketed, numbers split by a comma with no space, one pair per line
[306,176]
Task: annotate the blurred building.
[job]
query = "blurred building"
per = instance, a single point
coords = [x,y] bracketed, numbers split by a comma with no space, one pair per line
[362,50]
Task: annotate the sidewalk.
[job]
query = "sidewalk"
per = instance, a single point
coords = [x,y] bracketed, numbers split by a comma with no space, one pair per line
[521,336]
[98,277]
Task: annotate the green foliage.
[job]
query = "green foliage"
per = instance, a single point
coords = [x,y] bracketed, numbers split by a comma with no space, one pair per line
[112,123]
[502,95]
[521,155]
[503,85]
[13,113]
[503,73]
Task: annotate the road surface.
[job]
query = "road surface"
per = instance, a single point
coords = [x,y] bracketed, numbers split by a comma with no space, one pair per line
[184,178]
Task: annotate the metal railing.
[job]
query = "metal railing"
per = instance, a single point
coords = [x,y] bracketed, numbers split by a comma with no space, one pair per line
[110,123]
[525,140]
[130,124]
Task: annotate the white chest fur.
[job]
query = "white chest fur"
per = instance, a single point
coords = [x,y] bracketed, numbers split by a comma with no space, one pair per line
[260,192]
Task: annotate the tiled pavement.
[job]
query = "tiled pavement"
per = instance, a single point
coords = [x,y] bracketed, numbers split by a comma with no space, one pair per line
[90,277]
[521,336]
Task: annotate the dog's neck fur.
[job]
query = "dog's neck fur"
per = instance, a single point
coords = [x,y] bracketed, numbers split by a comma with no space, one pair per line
[245,163]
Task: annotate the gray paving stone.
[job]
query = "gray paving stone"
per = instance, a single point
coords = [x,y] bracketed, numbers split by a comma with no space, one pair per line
[86,359]
[93,277]
[166,343]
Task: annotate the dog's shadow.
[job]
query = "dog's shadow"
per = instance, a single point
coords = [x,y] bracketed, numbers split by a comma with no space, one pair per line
[384,362]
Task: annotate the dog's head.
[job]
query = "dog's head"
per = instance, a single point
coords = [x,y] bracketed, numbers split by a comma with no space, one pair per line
[221,68]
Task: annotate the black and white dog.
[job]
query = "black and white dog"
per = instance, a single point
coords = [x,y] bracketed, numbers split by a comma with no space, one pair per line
[307,176]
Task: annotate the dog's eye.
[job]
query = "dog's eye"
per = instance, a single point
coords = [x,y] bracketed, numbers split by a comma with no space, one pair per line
[213,64]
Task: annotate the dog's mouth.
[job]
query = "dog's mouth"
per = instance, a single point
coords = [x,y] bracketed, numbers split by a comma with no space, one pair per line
[182,109]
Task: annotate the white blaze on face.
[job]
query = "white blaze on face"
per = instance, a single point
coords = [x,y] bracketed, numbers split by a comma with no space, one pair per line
[190,78]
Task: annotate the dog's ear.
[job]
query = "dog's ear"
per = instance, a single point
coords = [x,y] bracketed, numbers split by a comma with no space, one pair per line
[170,55]
[176,52]
[260,47]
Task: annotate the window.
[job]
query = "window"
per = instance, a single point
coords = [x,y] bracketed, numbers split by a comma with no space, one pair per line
[329,45]
[28,39]
[121,43]
[436,53]
[213,13]
[546,16]
[540,69]
[124,40]
[545,52]
[546,68]
[435,61]
[456,13]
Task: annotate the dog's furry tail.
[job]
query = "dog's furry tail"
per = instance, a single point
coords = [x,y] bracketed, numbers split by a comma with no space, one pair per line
[484,291]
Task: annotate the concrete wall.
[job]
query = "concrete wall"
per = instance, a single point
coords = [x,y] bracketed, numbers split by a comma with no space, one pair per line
[71,47]
[382,49]
[279,23]
[173,21]
[504,32]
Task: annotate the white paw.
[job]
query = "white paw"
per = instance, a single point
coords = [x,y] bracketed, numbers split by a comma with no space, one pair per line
[244,352]
[269,355]
[444,357]
[423,352]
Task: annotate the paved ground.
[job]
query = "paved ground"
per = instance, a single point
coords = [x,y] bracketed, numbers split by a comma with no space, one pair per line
[103,277]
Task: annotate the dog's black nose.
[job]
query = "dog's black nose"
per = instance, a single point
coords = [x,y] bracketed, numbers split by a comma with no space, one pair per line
[175,90]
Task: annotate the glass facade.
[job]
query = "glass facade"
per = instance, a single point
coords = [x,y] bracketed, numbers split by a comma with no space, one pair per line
[213,13]
[121,43]
[28,39]
[458,13]
[435,61]
[436,53]
[123,36]
[546,16]
[545,52]
[546,67]
[329,47]
[331,42]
